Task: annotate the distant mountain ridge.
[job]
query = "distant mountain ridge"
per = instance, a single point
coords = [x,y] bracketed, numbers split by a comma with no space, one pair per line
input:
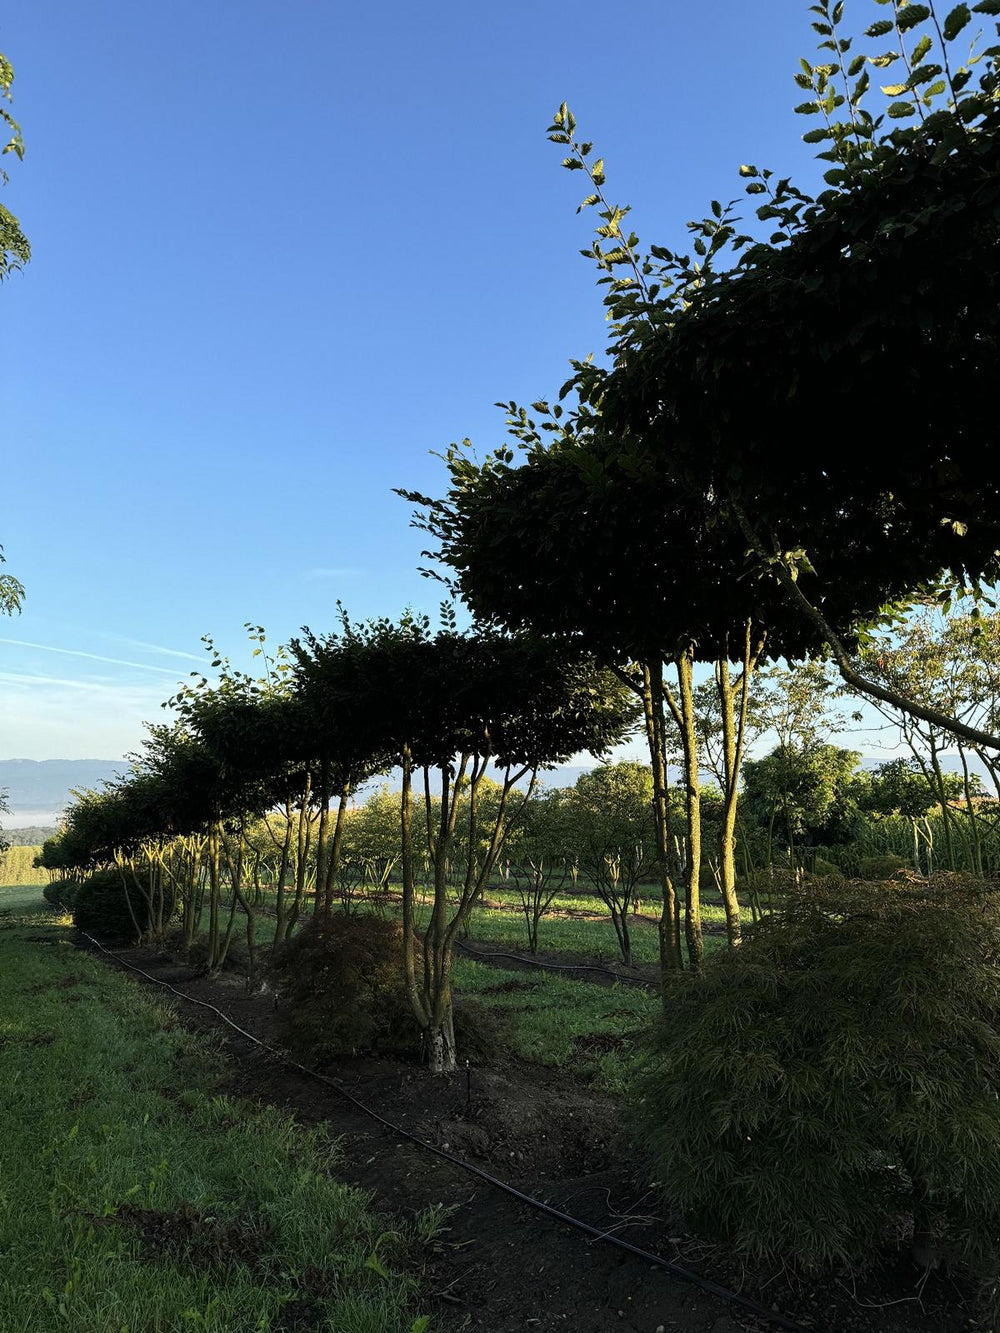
[44,785]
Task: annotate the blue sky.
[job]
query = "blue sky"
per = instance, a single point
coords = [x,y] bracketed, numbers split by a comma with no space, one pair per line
[282,252]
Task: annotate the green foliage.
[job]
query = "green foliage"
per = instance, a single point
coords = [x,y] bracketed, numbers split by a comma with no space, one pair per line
[881,867]
[823,868]
[135,1197]
[101,907]
[833,1083]
[15,250]
[340,987]
[18,865]
[898,787]
[803,797]
[61,893]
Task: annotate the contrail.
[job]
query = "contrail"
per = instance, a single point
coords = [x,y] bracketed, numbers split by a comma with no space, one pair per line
[155,648]
[93,657]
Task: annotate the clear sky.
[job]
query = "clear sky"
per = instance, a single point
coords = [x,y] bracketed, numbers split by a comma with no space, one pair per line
[282,252]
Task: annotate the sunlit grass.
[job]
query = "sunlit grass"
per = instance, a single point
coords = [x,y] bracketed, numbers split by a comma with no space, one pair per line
[594,1032]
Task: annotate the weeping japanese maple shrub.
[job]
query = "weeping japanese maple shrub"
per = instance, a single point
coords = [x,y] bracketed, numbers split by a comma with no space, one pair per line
[832,1087]
[340,986]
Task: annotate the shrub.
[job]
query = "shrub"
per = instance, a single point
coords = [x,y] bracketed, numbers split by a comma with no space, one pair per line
[100,908]
[340,987]
[60,893]
[833,1083]
[883,866]
[824,868]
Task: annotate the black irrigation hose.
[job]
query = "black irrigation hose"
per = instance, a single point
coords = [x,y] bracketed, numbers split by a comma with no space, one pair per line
[668,1265]
[560,967]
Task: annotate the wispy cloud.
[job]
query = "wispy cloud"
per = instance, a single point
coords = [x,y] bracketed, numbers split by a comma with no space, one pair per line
[46,717]
[154,648]
[40,685]
[93,657]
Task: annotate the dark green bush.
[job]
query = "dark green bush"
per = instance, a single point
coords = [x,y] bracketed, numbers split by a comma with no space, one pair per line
[340,987]
[60,893]
[832,1086]
[824,868]
[102,909]
[882,866]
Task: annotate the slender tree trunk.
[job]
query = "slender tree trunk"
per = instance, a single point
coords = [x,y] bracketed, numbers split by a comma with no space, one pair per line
[336,845]
[281,924]
[942,796]
[973,818]
[692,792]
[414,990]
[213,896]
[669,925]
[322,836]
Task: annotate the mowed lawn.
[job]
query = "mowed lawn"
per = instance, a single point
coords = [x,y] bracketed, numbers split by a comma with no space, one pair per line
[133,1198]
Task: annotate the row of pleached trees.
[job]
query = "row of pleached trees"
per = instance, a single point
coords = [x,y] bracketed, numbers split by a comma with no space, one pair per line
[466,719]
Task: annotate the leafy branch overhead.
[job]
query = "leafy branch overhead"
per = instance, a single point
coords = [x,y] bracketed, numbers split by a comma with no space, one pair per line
[937,92]
[15,249]
[823,369]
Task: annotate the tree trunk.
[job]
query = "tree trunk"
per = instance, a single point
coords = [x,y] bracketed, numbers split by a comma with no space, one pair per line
[669,924]
[439,1044]
[333,859]
[692,792]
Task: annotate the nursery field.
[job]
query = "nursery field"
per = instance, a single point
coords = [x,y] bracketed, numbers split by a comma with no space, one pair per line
[594,1031]
[134,1197]
[576,926]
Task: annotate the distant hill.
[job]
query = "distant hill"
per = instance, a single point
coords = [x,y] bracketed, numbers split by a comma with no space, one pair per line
[32,835]
[41,787]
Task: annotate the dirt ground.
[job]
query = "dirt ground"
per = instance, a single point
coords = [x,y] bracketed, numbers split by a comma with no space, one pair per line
[498,1265]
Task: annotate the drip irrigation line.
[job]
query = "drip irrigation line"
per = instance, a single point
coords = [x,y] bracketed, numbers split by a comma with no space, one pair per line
[657,1260]
[520,958]
[559,967]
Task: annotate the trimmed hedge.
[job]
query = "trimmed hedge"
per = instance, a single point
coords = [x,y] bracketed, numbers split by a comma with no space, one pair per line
[102,909]
[60,893]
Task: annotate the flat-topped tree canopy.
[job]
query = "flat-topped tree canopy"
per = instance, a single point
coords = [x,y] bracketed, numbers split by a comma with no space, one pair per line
[585,542]
[177,786]
[517,700]
[841,385]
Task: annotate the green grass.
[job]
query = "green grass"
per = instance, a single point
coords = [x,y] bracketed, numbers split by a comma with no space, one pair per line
[594,1032]
[20,898]
[133,1199]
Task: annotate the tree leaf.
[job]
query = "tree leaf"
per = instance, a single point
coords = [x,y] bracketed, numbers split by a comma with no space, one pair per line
[910,16]
[920,50]
[956,21]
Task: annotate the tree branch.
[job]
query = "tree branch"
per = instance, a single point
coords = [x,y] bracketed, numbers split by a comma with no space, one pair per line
[844,665]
